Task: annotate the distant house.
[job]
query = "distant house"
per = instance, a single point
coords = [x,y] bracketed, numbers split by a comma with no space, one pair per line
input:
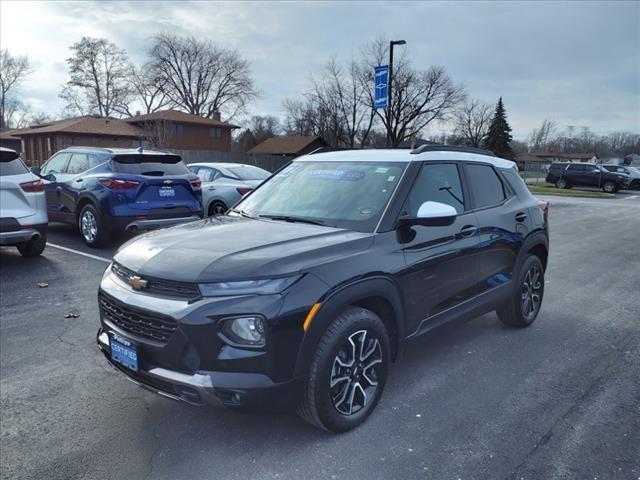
[165,129]
[8,139]
[177,130]
[42,141]
[289,146]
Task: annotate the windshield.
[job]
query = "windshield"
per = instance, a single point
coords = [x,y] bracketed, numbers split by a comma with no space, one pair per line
[249,172]
[340,194]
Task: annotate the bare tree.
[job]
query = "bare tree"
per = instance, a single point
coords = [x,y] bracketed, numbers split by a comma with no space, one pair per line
[158,134]
[472,121]
[263,127]
[418,97]
[541,138]
[201,77]
[13,69]
[147,93]
[99,78]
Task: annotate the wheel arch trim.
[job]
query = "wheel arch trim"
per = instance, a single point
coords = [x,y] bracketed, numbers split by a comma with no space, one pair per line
[347,294]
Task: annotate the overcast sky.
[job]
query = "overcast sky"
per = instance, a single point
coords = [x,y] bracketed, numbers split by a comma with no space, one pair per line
[577,63]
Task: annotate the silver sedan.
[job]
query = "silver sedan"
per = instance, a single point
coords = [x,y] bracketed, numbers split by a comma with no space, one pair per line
[224,184]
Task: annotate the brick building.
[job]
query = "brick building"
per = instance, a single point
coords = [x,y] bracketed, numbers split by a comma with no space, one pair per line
[166,129]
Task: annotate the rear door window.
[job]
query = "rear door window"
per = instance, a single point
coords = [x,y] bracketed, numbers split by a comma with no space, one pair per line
[56,165]
[486,185]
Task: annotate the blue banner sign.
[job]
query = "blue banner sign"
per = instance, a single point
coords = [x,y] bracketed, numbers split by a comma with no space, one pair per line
[381,86]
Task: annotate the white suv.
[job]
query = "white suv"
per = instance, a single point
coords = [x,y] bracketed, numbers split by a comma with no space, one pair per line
[23,206]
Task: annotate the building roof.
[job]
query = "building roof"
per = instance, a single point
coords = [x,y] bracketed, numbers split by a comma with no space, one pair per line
[182,117]
[11,134]
[288,145]
[403,155]
[92,125]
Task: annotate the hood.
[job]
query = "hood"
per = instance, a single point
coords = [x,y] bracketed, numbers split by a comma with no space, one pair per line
[237,248]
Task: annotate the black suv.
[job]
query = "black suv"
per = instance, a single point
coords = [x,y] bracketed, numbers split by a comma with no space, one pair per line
[304,293]
[567,175]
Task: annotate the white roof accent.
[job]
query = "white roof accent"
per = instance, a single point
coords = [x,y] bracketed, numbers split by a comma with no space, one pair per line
[403,155]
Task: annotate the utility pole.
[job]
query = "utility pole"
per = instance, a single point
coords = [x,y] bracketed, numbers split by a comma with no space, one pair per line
[389,109]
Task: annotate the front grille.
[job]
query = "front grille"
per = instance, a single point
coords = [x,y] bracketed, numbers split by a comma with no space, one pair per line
[145,324]
[158,286]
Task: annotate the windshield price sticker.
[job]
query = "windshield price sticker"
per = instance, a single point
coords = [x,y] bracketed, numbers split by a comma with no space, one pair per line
[346,175]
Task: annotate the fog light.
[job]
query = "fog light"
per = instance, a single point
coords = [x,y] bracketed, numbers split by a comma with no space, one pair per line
[245,331]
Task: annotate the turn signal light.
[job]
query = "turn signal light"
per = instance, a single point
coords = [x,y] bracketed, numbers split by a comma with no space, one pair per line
[243,190]
[116,184]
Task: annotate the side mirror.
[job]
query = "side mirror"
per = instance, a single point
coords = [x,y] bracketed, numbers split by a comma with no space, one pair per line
[431,214]
[51,177]
[35,170]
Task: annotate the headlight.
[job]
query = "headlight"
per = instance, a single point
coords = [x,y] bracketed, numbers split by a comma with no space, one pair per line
[267,286]
[244,330]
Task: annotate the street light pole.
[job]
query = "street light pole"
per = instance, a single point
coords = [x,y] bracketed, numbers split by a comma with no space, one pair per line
[389,111]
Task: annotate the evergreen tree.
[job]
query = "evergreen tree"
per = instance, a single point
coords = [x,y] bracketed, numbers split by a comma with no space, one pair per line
[499,135]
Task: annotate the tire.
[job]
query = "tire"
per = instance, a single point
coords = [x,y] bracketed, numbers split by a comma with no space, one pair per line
[610,187]
[33,248]
[341,408]
[562,183]
[91,226]
[217,208]
[518,312]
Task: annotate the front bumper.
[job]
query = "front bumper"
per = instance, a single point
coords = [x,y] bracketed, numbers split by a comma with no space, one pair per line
[182,355]
[245,391]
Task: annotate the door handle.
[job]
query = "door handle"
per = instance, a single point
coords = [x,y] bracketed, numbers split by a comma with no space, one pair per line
[468,230]
[79,180]
[521,217]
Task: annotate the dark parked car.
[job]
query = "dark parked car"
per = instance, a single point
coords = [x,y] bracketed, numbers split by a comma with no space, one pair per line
[632,172]
[306,292]
[567,175]
[109,190]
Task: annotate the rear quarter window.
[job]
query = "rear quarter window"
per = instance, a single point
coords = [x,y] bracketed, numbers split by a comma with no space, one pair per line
[12,167]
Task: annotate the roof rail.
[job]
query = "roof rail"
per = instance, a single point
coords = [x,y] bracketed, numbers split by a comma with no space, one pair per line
[329,149]
[451,148]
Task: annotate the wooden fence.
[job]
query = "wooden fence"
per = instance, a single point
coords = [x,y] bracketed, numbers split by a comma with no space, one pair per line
[268,162]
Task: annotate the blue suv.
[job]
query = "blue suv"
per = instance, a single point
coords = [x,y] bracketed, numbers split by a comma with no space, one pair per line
[109,190]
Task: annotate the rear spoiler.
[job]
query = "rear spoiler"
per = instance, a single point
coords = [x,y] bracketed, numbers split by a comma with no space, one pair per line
[142,158]
[7,155]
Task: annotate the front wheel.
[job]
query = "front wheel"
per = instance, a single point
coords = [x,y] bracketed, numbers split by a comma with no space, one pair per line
[524,305]
[348,372]
[609,187]
[91,227]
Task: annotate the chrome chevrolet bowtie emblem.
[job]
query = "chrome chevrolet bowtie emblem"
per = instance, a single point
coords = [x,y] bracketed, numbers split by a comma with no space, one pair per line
[137,283]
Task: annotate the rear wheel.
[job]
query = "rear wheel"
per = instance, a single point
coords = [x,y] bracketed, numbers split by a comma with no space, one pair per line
[523,308]
[609,187]
[562,183]
[33,248]
[92,227]
[217,208]
[348,372]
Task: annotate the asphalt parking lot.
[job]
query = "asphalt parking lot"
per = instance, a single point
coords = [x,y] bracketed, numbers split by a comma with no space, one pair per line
[558,400]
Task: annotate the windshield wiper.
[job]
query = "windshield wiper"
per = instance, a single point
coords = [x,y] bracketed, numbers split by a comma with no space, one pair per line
[289,218]
[241,213]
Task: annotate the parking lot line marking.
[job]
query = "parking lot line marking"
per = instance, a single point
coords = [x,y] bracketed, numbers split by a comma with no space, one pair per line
[632,196]
[95,257]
